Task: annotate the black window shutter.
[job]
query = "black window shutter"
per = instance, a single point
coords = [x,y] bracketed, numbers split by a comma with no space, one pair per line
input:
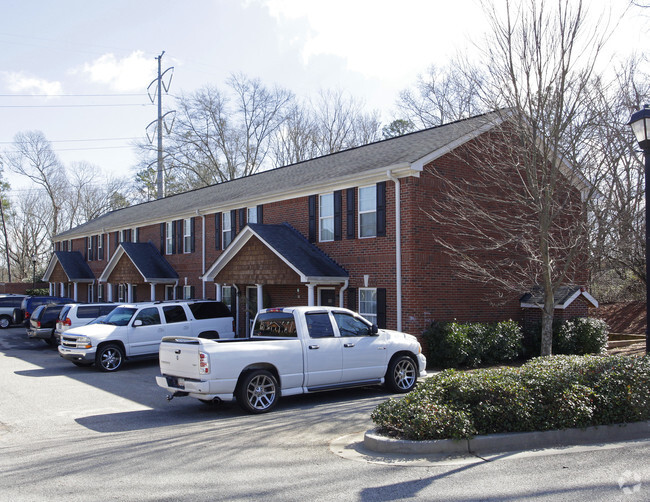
[162,238]
[117,238]
[381,209]
[260,214]
[86,257]
[127,235]
[312,218]
[217,230]
[100,254]
[233,224]
[338,215]
[179,292]
[137,234]
[242,218]
[93,247]
[192,292]
[192,233]
[351,213]
[180,232]
[381,308]
[174,237]
[352,299]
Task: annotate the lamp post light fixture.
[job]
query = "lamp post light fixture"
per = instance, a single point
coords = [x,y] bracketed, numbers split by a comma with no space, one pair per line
[640,122]
[33,272]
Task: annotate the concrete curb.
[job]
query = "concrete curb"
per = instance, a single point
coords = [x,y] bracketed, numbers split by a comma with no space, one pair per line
[517,441]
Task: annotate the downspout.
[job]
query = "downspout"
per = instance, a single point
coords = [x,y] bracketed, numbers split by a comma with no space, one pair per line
[236,313]
[198,213]
[398,248]
[342,290]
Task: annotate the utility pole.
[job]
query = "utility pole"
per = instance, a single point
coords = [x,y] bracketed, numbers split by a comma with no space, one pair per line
[160,85]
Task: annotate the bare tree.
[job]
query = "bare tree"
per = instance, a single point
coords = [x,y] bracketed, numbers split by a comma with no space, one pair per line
[443,94]
[518,220]
[35,159]
[296,140]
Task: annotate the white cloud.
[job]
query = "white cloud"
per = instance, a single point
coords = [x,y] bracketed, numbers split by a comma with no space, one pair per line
[131,73]
[20,83]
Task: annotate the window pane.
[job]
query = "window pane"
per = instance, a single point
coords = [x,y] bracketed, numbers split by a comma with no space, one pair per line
[319,325]
[252,215]
[174,314]
[368,304]
[149,316]
[368,225]
[327,229]
[368,199]
[327,205]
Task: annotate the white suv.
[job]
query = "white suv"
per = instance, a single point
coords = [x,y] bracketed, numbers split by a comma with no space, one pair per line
[74,315]
[134,331]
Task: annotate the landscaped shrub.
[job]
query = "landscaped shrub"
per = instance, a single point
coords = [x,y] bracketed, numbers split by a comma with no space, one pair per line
[454,344]
[546,393]
[582,335]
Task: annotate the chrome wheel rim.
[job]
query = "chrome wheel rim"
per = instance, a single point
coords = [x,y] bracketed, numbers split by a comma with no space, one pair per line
[111,359]
[261,392]
[405,374]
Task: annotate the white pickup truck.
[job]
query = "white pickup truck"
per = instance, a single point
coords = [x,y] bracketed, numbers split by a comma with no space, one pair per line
[292,350]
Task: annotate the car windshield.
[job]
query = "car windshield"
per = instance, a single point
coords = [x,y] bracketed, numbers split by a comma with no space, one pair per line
[120,316]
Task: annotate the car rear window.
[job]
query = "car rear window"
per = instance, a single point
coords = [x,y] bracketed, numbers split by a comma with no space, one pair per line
[88,312]
[64,312]
[11,301]
[280,324]
[174,313]
[209,310]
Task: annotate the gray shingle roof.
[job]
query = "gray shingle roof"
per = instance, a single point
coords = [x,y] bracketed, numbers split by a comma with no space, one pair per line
[148,260]
[74,265]
[298,251]
[404,149]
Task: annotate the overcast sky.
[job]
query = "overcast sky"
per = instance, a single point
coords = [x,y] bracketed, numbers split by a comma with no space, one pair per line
[78,70]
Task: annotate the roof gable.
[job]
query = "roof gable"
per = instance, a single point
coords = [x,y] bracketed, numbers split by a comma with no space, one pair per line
[73,264]
[147,260]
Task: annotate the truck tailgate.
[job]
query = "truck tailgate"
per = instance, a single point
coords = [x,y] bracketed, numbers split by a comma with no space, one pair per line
[179,356]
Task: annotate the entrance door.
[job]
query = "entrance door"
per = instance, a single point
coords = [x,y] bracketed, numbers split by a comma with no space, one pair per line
[327,297]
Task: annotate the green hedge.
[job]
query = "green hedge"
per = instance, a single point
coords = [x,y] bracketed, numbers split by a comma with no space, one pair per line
[580,336]
[547,393]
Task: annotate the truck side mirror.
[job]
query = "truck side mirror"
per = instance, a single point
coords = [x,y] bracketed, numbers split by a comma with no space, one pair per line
[137,323]
[374,330]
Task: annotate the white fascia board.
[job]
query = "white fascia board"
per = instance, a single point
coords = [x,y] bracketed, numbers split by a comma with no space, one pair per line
[419,164]
[50,268]
[110,266]
[590,299]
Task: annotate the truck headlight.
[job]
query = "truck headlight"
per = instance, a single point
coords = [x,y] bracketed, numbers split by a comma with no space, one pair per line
[83,342]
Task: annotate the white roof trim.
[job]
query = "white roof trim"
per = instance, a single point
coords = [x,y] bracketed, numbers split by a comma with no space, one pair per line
[568,301]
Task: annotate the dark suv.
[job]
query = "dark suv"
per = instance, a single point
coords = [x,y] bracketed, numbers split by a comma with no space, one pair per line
[21,315]
[7,305]
[43,321]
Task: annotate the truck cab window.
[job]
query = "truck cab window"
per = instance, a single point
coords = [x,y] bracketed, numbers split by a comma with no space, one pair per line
[319,325]
[351,326]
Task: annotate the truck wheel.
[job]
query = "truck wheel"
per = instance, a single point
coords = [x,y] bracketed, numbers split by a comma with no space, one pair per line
[402,374]
[258,392]
[5,321]
[109,357]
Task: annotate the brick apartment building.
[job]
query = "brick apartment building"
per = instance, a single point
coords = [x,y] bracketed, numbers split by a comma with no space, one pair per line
[347,229]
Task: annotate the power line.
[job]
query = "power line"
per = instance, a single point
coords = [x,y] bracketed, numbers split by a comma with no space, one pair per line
[68,95]
[76,106]
[76,140]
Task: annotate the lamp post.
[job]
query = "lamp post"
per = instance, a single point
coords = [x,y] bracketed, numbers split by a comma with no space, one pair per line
[33,272]
[640,122]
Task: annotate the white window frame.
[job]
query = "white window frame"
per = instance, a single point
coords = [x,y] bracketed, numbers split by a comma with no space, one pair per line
[134,235]
[372,189]
[100,247]
[326,201]
[169,237]
[187,292]
[226,231]
[251,215]
[91,292]
[363,310]
[227,299]
[187,235]
[100,292]
[120,237]
[122,293]
[90,249]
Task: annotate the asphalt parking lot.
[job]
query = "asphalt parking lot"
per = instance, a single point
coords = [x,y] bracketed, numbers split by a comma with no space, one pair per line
[69,433]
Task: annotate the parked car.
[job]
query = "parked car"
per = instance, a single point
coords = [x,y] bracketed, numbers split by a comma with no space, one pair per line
[7,305]
[75,315]
[292,350]
[21,315]
[134,331]
[42,322]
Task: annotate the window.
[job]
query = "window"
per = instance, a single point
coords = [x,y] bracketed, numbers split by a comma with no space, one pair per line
[226,229]
[169,237]
[100,292]
[91,292]
[187,292]
[122,293]
[88,312]
[149,316]
[326,217]
[279,324]
[187,235]
[133,234]
[368,304]
[209,310]
[100,247]
[252,215]
[368,211]
[169,292]
[319,325]
[174,313]
[351,326]
[89,241]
